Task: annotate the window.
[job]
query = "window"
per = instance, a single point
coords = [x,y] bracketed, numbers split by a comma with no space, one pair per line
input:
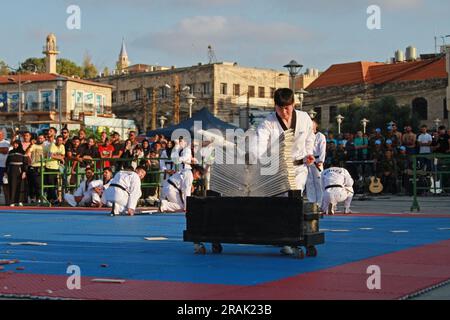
[261,92]
[272,92]
[191,88]
[420,108]
[124,96]
[137,94]
[223,89]
[333,113]
[164,92]
[236,90]
[205,88]
[251,91]
[445,109]
[114,97]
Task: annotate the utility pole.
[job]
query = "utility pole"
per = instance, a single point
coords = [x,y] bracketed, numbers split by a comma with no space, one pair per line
[176,110]
[144,107]
[154,111]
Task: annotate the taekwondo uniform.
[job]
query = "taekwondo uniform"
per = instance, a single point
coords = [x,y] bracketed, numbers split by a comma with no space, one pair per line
[85,190]
[314,184]
[165,165]
[182,156]
[208,157]
[273,127]
[175,192]
[338,187]
[124,192]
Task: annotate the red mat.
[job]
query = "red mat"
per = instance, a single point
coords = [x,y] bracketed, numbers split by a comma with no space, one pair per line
[402,273]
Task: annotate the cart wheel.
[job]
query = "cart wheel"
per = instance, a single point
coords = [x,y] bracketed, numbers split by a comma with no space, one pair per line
[298,253]
[311,252]
[199,248]
[217,248]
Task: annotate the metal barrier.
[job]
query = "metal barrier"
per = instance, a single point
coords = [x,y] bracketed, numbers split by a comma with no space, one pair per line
[64,175]
[439,175]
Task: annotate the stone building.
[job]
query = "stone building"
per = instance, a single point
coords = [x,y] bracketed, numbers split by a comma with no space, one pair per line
[421,84]
[226,89]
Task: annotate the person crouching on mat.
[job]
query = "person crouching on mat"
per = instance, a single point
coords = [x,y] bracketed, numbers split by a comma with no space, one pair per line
[338,187]
[124,191]
[177,188]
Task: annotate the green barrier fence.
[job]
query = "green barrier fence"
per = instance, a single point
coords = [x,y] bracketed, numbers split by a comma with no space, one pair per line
[66,181]
[438,175]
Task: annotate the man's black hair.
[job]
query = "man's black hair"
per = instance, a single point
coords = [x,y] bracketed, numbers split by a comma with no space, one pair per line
[284,97]
[53,128]
[107,169]
[140,168]
[198,168]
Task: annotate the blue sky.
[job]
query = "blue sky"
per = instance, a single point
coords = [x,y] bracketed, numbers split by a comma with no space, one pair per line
[257,33]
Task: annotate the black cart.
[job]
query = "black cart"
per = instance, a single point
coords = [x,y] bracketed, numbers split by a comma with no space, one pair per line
[276,221]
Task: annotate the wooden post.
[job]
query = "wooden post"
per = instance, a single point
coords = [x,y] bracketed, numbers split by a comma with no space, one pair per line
[154,111]
[176,110]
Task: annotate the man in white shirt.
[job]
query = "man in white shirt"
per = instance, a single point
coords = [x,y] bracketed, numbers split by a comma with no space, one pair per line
[338,187]
[314,184]
[4,149]
[182,155]
[124,191]
[425,140]
[83,196]
[178,188]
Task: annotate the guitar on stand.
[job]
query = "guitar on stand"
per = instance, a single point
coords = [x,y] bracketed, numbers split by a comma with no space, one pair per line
[375,186]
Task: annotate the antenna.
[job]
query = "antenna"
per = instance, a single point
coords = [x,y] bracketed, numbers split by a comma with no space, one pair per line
[211,55]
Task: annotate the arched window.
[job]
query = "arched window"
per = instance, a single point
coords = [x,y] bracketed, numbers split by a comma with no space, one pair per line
[420,108]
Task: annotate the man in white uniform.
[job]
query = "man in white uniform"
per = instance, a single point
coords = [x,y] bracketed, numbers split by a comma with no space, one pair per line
[82,197]
[338,187]
[314,184]
[124,191]
[177,188]
[182,155]
[284,118]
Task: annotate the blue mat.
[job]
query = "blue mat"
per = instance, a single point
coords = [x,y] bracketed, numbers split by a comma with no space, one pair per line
[90,239]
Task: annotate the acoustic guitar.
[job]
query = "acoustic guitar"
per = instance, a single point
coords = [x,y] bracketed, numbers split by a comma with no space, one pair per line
[375,186]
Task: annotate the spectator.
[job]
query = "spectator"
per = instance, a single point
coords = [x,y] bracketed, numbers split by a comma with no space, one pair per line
[118,150]
[133,138]
[392,137]
[389,173]
[66,139]
[51,137]
[103,138]
[82,136]
[4,149]
[106,151]
[403,167]
[443,144]
[377,157]
[56,152]
[127,154]
[146,148]
[409,140]
[397,133]
[72,157]
[377,136]
[424,140]
[88,152]
[340,154]
[17,166]
[26,142]
[35,153]
[361,146]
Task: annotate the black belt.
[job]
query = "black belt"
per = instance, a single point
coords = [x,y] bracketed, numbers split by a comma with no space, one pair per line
[334,186]
[178,189]
[299,162]
[120,187]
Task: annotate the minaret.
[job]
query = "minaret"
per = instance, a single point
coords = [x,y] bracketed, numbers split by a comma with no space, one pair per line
[123,62]
[51,54]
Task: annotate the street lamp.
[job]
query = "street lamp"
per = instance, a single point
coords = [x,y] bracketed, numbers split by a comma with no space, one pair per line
[364,123]
[190,100]
[294,68]
[437,122]
[339,120]
[312,114]
[301,97]
[59,85]
[162,121]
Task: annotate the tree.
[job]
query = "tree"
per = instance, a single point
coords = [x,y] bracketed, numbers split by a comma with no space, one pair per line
[68,68]
[3,68]
[380,113]
[33,65]
[89,69]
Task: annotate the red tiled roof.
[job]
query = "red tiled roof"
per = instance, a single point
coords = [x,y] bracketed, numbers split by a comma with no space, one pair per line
[379,73]
[44,77]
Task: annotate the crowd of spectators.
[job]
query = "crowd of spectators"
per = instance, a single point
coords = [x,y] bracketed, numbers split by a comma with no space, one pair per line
[386,154]
[69,154]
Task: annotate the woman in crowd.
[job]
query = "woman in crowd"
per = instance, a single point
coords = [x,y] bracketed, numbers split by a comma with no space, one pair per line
[17,166]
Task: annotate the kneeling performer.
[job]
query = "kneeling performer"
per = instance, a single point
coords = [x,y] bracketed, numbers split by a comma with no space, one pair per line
[338,187]
[124,191]
[177,188]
